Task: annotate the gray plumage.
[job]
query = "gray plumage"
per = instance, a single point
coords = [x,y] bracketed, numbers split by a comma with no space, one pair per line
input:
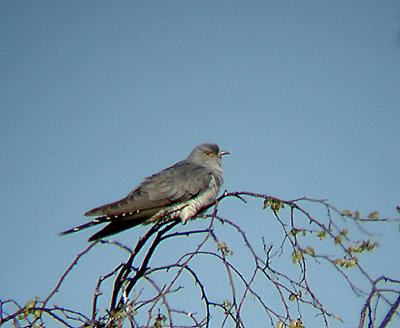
[180,191]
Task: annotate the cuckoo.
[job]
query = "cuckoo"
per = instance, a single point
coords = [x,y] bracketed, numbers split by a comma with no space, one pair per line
[180,191]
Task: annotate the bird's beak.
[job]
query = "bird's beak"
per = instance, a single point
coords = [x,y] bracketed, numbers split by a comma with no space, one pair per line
[221,153]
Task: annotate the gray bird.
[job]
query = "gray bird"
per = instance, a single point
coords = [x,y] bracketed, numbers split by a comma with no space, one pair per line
[180,191]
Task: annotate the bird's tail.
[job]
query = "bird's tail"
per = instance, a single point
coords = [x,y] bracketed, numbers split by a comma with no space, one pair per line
[120,222]
[92,223]
[115,227]
[117,223]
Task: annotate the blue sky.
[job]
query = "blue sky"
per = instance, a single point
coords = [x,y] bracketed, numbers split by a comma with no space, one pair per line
[95,96]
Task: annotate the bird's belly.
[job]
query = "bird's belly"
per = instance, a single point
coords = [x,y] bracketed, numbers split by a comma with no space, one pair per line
[192,207]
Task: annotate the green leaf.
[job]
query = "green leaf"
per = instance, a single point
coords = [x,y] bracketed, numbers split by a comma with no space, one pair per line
[321,235]
[338,239]
[310,250]
[373,215]
[346,213]
[350,263]
[296,256]
[275,204]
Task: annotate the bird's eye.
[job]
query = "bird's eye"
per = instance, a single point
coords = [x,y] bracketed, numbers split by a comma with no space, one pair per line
[208,153]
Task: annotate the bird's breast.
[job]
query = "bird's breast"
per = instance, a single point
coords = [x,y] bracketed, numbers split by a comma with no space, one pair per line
[192,207]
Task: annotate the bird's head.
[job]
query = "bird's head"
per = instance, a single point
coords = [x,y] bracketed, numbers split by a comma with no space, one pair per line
[208,155]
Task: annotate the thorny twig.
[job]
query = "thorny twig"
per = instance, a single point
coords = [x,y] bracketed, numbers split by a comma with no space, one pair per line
[136,269]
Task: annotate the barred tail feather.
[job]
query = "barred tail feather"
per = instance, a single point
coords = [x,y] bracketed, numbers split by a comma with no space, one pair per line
[92,223]
[117,223]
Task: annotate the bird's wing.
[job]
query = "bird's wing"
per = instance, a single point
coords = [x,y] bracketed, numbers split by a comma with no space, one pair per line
[176,184]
